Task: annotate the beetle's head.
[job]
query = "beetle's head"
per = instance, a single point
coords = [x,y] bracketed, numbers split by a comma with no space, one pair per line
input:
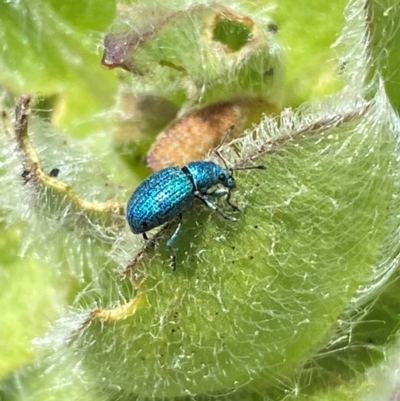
[225,177]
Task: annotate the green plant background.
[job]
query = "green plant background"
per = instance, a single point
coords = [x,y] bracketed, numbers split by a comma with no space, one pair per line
[54,52]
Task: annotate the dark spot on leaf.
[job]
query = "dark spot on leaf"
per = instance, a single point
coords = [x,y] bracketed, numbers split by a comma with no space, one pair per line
[273,28]
[26,175]
[119,49]
[54,172]
[269,72]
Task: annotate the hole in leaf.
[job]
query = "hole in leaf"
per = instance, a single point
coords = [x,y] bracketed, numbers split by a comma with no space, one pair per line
[232,33]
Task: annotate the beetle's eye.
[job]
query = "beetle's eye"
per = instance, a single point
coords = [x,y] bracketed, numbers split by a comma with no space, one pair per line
[222,177]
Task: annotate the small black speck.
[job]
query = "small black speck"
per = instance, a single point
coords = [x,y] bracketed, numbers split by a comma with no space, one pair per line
[173,331]
[251,257]
[25,173]
[233,247]
[256,226]
[269,72]
[54,172]
[216,313]
[273,28]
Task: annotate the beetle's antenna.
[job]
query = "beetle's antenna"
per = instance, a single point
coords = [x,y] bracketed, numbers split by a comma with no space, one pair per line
[258,167]
[218,153]
[216,150]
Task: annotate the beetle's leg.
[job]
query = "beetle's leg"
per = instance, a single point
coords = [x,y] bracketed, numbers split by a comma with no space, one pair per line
[228,201]
[145,237]
[171,242]
[146,248]
[219,192]
[210,204]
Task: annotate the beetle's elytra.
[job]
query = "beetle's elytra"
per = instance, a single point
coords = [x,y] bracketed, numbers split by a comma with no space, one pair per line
[168,193]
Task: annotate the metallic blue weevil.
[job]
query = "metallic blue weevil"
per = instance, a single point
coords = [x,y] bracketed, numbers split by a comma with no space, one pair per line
[166,194]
